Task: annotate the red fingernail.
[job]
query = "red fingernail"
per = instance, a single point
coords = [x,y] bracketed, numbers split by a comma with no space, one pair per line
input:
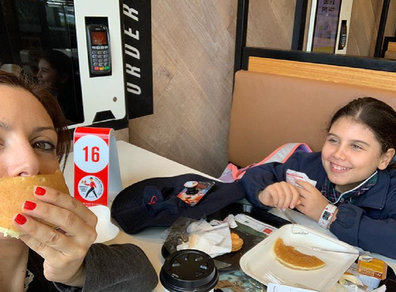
[40,191]
[29,205]
[20,219]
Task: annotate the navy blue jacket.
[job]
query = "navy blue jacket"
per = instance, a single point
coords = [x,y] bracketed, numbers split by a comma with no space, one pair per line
[370,222]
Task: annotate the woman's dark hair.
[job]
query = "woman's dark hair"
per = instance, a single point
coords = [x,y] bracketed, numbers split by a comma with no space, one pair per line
[51,106]
[378,116]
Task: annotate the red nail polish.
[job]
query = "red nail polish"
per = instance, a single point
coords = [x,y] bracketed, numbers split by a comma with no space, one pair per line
[20,219]
[40,191]
[29,205]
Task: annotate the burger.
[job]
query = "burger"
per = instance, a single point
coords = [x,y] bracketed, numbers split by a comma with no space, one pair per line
[16,190]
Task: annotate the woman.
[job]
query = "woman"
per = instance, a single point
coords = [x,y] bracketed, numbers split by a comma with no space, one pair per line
[33,139]
[355,192]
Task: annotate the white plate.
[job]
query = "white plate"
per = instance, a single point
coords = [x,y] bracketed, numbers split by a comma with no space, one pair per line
[260,262]
[105,229]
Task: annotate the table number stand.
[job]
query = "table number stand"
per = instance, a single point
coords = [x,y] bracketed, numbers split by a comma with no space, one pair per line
[96,165]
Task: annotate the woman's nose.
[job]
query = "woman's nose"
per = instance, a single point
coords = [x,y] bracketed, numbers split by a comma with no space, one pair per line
[23,161]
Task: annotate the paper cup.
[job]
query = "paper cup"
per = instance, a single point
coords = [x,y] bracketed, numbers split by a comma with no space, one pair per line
[189,270]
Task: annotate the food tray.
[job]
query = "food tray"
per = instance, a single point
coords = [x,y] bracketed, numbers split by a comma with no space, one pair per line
[261,264]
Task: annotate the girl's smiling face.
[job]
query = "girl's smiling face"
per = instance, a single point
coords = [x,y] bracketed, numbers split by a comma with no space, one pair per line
[27,136]
[352,153]
[48,76]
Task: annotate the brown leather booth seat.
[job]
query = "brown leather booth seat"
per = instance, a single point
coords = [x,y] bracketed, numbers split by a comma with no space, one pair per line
[270,110]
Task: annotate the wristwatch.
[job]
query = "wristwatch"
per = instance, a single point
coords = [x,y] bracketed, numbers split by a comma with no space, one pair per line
[327,215]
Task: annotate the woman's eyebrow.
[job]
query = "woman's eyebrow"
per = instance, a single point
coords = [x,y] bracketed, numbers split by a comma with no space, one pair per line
[7,127]
[41,129]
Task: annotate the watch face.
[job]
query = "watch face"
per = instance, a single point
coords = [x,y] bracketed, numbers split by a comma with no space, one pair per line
[326,215]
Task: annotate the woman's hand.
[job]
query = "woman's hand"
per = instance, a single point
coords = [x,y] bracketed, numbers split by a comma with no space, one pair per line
[281,195]
[63,249]
[312,200]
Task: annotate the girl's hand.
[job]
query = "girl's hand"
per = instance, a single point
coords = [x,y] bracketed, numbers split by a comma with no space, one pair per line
[63,249]
[312,200]
[280,195]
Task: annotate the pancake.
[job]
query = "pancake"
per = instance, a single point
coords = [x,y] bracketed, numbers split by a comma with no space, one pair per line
[14,191]
[291,258]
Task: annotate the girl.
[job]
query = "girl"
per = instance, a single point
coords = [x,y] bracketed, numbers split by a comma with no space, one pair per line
[33,139]
[355,192]
[55,73]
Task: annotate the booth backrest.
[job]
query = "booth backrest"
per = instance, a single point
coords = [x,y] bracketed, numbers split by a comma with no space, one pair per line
[269,110]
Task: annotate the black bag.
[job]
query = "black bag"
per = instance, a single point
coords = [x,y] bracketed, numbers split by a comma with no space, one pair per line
[153,202]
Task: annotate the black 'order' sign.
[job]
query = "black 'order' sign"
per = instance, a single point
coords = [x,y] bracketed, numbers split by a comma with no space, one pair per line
[138,57]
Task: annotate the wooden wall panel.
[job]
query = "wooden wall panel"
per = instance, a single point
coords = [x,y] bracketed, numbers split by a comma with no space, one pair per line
[271,23]
[193,57]
[364,27]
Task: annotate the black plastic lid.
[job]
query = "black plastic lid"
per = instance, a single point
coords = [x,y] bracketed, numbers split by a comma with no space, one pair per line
[189,270]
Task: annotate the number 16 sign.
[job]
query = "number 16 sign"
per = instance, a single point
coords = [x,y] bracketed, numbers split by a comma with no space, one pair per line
[96,167]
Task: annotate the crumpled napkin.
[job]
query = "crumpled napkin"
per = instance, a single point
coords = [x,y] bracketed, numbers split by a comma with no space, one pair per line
[213,240]
[230,220]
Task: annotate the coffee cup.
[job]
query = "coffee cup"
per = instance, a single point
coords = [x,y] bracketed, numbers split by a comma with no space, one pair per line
[189,270]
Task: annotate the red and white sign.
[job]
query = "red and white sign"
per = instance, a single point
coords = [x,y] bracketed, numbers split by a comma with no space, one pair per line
[96,166]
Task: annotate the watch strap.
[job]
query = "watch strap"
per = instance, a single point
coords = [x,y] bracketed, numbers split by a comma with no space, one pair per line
[327,215]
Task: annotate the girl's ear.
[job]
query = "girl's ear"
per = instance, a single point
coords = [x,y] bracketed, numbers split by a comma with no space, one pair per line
[386,158]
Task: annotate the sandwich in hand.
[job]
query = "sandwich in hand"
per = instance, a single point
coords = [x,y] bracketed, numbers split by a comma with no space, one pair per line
[16,190]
